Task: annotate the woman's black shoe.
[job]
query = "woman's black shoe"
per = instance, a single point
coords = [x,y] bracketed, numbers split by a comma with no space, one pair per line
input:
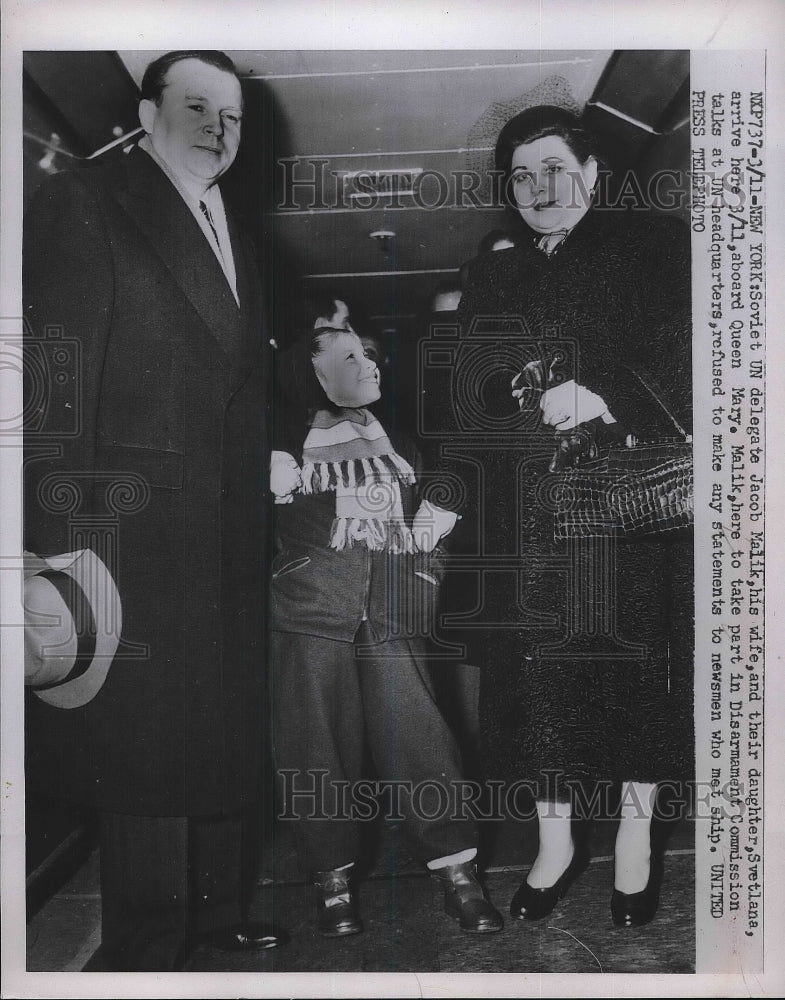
[636,908]
[529,903]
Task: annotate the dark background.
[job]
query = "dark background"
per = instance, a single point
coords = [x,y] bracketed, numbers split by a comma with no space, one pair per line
[356,111]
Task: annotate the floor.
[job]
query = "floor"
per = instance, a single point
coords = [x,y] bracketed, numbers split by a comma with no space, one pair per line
[406,929]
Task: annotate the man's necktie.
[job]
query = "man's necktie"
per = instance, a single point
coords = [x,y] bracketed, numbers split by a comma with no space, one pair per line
[550,241]
[206,214]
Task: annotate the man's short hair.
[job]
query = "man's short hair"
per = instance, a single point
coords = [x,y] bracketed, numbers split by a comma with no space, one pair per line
[154,79]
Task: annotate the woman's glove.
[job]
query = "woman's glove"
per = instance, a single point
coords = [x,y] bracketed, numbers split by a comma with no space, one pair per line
[569,404]
[285,479]
[529,384]
[582,423]
[431,524]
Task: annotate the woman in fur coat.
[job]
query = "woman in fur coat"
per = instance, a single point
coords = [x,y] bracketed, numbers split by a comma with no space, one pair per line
[595,685]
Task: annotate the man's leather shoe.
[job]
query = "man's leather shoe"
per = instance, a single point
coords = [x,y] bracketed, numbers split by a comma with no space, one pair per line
[465,899]
[336,906]
[529,903]
[246,937]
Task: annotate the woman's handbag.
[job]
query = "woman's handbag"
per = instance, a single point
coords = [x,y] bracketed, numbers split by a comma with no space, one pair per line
[628,491]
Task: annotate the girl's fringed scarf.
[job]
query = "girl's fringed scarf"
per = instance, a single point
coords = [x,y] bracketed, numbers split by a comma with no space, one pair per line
[348,452]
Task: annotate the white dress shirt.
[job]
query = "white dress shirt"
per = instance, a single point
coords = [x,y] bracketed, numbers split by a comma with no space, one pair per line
[217,238]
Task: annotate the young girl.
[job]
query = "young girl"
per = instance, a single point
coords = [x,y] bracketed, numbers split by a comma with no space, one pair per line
[354,590]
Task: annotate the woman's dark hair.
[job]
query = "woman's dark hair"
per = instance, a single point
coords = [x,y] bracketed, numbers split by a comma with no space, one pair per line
[154,79]
[537,123]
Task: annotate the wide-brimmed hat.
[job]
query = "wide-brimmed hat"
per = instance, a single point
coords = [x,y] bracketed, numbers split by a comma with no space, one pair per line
[73,619]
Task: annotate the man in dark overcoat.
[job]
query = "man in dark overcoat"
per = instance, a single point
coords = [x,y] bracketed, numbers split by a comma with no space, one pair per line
[151,448]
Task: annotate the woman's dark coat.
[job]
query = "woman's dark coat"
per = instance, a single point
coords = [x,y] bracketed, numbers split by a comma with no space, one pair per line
[554,697]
